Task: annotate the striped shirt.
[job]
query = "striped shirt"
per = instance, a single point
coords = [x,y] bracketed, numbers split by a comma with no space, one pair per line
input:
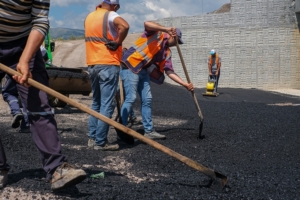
[19,17]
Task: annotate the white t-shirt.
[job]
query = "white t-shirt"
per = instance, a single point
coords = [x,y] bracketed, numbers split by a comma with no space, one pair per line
[43,50]
[111,27]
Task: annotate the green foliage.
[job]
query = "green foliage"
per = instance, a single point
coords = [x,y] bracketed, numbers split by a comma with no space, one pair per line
[66,34]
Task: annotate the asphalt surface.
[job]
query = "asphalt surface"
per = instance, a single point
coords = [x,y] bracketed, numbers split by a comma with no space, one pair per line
[251,136]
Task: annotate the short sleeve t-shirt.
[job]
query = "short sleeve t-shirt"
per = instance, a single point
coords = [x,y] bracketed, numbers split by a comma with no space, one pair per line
[111,27]
[214,64]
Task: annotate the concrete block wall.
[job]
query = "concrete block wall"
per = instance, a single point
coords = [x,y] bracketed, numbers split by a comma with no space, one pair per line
[258,41]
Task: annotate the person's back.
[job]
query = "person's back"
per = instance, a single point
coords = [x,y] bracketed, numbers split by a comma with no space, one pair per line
[105,31]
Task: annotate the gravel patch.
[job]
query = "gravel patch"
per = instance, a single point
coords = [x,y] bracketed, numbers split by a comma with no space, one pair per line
[249,137]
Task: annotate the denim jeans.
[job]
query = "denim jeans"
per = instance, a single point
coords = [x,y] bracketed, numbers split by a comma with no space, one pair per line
[104,81]
[133,84]
[10,95]
[131,113]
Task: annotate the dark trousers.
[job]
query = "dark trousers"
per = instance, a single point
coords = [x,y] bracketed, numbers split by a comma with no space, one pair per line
[217,79]
[42,123]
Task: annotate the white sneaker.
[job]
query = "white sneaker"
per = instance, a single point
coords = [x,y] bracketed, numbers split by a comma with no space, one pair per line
[154,135]
[3,178]
[91,143]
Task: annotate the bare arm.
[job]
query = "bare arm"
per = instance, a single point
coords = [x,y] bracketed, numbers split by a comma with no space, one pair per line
[172,75]
[33,44]
[218,68]
[122,27]
[209,69]
[152,26]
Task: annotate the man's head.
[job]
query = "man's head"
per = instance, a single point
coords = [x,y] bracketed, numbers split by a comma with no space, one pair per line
[172,41]
[212,52]
[111,5]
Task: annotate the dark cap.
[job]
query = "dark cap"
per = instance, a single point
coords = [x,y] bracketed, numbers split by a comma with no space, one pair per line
[179,34]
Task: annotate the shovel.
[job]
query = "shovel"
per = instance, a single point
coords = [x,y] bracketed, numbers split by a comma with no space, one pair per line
[193,93]
[217,180]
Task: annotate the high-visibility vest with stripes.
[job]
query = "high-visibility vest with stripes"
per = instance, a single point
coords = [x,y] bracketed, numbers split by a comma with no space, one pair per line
[211,60]
[96,35]
[145,49]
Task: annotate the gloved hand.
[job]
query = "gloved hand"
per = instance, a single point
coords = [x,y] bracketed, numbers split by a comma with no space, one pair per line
[111,45]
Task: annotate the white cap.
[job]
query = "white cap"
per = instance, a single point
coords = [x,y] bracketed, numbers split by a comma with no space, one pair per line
[212,52]
[111,1]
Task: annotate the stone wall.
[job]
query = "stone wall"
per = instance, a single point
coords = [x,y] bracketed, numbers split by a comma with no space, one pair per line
[258,41]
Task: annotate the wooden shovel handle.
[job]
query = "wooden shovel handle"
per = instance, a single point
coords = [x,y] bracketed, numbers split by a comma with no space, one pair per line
[189,80]
[193,164]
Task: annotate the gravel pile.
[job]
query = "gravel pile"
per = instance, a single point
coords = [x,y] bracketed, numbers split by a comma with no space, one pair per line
[252,137]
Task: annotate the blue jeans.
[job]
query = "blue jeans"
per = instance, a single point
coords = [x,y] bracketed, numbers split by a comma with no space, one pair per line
[10,95]
[104,81]
[133,84]
[131,113]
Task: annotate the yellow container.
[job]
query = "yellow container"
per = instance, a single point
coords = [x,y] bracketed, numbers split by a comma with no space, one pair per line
[210,86]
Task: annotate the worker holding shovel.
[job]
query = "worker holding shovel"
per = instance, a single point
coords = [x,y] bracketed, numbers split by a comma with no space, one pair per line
[19,49]
[148,59]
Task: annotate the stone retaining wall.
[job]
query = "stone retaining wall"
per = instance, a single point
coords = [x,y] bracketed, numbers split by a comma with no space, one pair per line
[258,41]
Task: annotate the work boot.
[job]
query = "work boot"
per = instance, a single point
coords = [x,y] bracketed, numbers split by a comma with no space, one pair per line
[24,130]
[154,135]
[91,142]
[66,176]
[107,147]
[134,121]
[16,120]
[124,137]
[3,178]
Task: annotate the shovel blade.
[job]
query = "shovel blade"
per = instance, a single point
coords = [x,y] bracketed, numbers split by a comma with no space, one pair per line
[219,182]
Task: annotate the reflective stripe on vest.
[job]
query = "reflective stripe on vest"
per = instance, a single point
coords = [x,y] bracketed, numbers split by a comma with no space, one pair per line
[40,113]
[162,64]
[104,30]
[217,60]
[96,36]
[145,49]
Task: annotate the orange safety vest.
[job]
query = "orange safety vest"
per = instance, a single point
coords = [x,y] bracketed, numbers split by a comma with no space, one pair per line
[96,35]
[156,71]
[145,50]
[217,60]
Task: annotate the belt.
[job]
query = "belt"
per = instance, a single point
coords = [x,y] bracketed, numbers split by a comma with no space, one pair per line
[123,66]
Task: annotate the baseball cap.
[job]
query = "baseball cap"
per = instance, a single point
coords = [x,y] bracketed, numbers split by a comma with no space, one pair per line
[179,34]
[212,52]
[111,1]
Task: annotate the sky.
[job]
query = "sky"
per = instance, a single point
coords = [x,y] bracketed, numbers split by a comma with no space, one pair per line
[71,13]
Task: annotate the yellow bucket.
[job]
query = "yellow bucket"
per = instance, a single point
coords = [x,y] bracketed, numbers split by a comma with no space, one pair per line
[210,86]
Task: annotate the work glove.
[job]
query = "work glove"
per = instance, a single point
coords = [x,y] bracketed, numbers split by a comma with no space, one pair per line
[111,45]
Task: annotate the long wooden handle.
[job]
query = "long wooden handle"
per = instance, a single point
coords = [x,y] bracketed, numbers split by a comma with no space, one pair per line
[209,172]
[189,81]
[121,89]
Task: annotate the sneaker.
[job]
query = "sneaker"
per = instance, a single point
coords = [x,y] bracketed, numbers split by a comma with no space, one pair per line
[154,135]
[91,142]
[107,147]
[3,178]
[16,122]
[66,176]
[24,130]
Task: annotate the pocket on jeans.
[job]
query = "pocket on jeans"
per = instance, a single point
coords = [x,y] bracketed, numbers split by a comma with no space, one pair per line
[104,75]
